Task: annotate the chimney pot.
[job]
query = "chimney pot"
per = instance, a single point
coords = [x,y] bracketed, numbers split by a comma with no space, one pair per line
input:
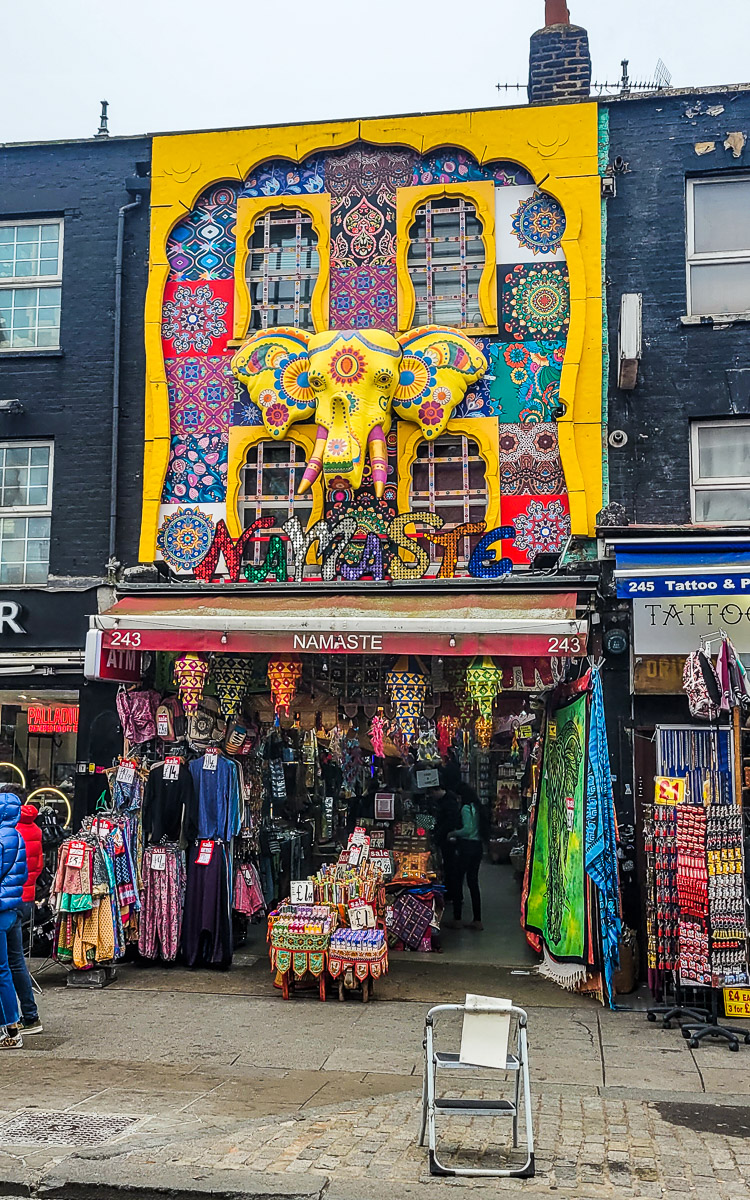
[557,13]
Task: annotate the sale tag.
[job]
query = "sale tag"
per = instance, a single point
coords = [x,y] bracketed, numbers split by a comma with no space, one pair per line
[158,860]
[126,772]
[552,730]
[205,852]
[76,851]
[355,853]
[162,724]
[301,891]
[210,759]
[361,915]
[377,840]
[737,1002]
[525,732]
[171,768]
[570,811]
[359,835]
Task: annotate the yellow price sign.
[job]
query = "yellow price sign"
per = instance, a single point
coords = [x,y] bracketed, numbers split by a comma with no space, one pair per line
[552,730]
[737,1002]
[669,791]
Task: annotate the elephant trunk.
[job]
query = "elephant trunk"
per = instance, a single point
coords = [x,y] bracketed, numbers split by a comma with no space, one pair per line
[315,465]
[376,445]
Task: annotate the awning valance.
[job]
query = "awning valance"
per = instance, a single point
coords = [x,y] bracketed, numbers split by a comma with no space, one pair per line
[516,625]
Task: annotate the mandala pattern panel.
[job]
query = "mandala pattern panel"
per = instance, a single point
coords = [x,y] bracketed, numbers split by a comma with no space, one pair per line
[523,380]
[535,301]
[530,460]
[185,537]
[244,412]
[542,526]
[197,470]
[197,317]
[201,394]
[286,179]
[363,297]
[202,245]
[529,225]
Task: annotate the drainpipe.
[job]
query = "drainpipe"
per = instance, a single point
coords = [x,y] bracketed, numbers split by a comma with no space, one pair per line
[115,455]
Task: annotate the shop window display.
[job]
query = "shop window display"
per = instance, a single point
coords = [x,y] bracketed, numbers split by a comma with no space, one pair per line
[38,732]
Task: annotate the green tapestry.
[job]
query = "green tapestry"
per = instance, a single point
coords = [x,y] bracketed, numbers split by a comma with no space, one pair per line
[556,905]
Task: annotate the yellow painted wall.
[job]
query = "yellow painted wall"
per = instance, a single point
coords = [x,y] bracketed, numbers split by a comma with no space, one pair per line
[557,145]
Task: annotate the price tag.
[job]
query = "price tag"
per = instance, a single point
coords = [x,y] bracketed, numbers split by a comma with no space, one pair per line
[552,730]
[162,724]
[158,861]
[570,811]
[205,853]
[301,891]
[358,837]
[171,768]
[361,915]
[377,840]
[210,759]
[76,851]
[125,772]
[355,853]
[428,778]
[525,732]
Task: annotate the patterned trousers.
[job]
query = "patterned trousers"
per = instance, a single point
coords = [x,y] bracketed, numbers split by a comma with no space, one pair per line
[161,903]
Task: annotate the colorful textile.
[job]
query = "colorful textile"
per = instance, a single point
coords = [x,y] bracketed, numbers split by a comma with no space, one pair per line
[556,904]
[411,920]
[601,836]
[163,897]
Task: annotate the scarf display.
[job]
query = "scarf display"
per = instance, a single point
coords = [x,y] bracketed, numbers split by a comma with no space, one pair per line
[601,836]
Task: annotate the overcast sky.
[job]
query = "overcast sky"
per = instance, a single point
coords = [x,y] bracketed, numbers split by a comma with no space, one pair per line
[198,64]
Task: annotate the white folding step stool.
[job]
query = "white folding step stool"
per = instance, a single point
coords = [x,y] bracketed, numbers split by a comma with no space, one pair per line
[504,1013]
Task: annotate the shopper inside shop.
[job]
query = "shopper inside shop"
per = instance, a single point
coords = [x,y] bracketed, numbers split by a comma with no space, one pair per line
[469,842]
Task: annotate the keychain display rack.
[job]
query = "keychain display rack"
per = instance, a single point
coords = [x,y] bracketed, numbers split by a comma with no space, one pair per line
[697,935]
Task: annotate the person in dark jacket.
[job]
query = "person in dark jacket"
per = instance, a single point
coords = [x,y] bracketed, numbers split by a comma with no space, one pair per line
[32,840]
[12,879]
[468,839]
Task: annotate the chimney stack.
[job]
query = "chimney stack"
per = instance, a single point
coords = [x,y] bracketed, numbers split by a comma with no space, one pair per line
[560,61]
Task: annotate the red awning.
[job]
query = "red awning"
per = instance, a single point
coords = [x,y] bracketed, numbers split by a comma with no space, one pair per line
[518,625]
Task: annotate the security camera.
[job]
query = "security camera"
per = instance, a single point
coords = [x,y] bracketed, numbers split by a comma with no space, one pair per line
[559,411]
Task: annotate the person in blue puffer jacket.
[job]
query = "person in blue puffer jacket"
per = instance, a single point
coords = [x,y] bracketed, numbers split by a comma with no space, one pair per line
[12,879]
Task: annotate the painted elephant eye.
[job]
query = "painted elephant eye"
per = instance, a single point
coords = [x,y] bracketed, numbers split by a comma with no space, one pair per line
[383,379]
[316,381]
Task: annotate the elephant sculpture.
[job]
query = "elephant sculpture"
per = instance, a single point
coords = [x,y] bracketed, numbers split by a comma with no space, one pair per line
[351,382]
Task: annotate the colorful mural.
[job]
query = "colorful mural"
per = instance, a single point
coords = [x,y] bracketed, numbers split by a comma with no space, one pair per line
[508,410]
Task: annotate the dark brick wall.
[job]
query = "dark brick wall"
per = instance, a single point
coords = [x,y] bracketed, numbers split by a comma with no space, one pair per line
[559,64]
[68,395]
[687,372]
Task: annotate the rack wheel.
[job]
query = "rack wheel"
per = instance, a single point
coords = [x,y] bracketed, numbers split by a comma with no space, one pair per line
[734,1046]
[694,1043]
[651,1017]
[685,1032]
[666,1025]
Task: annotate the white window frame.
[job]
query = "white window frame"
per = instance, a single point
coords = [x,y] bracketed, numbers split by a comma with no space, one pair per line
[256,502]
[712,258]
[714,483]
[16,283]
[435,499]
[423,274]
[268,313]
[31,510]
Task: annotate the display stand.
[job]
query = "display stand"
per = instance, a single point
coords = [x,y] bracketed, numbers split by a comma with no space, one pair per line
[677,1011]
[694,1034]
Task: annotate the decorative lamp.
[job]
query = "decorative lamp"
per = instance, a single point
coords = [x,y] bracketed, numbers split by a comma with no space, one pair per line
[407,691]
[484,728]
[230,674]
[190,672]
[484,681]
[447,728]
[284,675]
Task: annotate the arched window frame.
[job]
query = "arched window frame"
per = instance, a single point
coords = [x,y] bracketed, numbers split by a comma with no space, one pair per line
[241,440]
[481,194]
[249,211]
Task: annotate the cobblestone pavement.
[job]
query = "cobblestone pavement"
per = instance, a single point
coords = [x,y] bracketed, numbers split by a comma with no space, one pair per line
[312,1098]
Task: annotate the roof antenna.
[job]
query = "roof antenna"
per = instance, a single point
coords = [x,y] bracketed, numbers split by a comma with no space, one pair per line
[625,81]
[103,131]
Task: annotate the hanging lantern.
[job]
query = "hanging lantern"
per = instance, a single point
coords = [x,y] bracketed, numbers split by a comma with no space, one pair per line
[427,747]
[284,675]
[484,681]
[190,672]
[447,728]
[407,691]
[377,735]
[230,674]
[484,728]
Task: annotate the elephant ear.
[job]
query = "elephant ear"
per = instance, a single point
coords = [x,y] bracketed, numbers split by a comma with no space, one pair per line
[274,365]
[437,368]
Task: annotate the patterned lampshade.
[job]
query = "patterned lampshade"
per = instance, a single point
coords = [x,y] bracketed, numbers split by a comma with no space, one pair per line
[484,681]
[284,675]
[231,675]
[407,691]
[190,672]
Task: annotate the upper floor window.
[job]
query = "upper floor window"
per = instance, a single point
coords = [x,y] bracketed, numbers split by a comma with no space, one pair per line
[25,511]
[30,284]
[270,479]
[448,478]
[282,270]
[445,262]
[718,245]
[720,470]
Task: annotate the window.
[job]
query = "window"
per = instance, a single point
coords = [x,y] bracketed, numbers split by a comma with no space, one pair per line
[25,511]
[30,284]
[445,262]
[448,478]
[718,245]
[282,269]
[38,732]
[721,472]
[269,485]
